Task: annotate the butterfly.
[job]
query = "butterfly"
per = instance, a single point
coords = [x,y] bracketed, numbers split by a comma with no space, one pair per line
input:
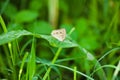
[59,34]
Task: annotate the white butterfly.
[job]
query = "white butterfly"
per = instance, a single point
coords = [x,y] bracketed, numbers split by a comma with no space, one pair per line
[59,34]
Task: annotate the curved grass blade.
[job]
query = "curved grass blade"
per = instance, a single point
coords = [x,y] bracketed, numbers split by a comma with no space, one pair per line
[104,66]
[107,53]
[116,71]
[78,72]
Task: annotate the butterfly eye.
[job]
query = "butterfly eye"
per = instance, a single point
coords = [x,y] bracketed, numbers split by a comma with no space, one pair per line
[56,32]
[60,32]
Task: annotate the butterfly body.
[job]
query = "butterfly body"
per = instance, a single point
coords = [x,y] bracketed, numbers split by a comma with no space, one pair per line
[59,34]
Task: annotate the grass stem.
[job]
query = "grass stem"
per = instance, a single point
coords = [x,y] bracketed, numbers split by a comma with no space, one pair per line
[53,61]
[75,68]
[9,44]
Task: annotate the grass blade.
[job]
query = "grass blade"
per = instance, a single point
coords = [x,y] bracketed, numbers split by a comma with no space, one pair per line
[22,65]
[31,64]
[104,66]
[78,72]
[116,71]
[53,61]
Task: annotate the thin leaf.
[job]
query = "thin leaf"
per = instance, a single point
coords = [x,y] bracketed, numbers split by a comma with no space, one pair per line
[31,63]
[22,64]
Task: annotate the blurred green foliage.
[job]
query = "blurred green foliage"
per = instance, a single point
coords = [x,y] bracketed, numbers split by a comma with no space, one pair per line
[96,24]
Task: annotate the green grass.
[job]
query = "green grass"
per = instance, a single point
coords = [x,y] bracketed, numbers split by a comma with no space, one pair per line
[90,50]
[75,73]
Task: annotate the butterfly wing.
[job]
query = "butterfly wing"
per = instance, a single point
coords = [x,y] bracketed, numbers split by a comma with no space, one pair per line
[59,34]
